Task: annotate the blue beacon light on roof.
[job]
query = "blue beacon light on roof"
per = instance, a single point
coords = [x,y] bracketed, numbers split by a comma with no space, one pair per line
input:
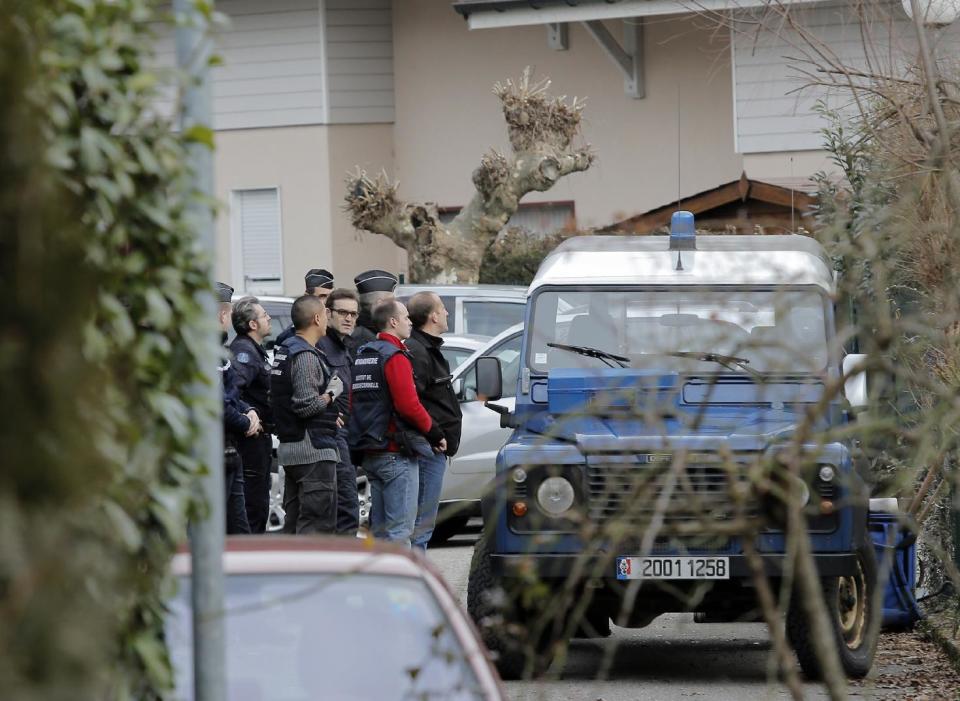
[683,234]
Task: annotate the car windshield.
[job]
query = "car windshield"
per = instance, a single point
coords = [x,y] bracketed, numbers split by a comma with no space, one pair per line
[298,637]
[455,355]
[781,331]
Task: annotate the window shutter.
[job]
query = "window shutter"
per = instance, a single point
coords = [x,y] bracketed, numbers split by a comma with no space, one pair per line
[260,240]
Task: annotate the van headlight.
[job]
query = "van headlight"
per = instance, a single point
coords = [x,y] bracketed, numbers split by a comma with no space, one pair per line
[555,496]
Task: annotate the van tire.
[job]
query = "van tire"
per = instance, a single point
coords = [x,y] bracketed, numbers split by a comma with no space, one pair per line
[495,607]
[856,626]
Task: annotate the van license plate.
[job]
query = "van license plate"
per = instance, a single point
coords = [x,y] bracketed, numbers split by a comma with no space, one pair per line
[673,567]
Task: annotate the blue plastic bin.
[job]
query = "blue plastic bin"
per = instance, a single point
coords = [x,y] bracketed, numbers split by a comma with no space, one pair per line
[899,606]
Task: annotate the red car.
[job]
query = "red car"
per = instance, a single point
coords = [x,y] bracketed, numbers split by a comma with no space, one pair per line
[335,618]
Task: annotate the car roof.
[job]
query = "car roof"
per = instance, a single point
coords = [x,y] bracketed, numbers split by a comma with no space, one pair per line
[503,291]
[485,348]
[472,341]
[717,260]
[264,298]
[277,554]
[280,554]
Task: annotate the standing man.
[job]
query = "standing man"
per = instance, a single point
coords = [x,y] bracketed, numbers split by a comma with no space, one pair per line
[252,324]
[303,394]
[344,308]
[316,283]
[431,372]
[389,424]
[239,421]
[373,287]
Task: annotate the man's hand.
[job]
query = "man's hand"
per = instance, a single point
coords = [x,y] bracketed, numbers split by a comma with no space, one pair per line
[254,423]
[334,388]
[340,421]
[441,447]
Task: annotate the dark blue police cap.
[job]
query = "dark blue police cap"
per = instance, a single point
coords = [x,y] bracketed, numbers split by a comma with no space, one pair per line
[318,277]
[223,291]
[375,281]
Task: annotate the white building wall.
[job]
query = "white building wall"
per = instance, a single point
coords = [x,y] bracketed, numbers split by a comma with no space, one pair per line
[359,59]
[271,72]
[773,68]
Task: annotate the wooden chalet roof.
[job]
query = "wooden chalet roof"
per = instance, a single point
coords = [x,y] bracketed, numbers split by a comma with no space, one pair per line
[741,206]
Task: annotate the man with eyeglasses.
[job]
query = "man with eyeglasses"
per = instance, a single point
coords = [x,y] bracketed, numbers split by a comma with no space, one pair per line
[252,324]
[343,308]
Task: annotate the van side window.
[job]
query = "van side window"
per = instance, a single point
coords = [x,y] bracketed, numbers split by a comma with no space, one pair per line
[508,351]
[488,318]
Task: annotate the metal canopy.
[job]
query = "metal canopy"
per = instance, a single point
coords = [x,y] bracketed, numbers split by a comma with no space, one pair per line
[492,14]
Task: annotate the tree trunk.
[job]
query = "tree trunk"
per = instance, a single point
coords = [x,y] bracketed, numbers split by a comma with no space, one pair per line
[541,131]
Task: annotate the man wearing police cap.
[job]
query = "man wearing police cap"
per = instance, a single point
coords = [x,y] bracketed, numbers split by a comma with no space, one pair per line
[239,421]
[373,286]
[316,283]
[252,324]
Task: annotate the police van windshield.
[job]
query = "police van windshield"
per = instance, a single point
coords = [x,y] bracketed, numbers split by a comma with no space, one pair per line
[781,331]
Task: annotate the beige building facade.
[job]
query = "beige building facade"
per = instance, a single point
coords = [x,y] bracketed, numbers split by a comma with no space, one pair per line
[311,89]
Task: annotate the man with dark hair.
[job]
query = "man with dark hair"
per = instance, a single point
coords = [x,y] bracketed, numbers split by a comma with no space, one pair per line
[389,424]
[239,421]
[252,324]
[303,395]
[373,287]
[343,308]
[316,283]
[435,389]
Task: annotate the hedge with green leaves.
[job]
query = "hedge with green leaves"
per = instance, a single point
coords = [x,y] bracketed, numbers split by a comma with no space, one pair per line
[100,274]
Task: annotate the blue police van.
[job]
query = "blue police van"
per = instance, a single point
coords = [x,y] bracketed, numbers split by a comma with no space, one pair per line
[683,432]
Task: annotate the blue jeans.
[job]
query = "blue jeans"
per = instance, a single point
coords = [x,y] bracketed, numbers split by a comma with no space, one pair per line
[348,502]
[431,482]
[394,488]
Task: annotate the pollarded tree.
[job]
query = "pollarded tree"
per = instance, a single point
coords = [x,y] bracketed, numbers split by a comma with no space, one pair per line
[541,129]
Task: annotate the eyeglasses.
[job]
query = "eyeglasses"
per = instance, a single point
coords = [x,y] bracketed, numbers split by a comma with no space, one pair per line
[346,313]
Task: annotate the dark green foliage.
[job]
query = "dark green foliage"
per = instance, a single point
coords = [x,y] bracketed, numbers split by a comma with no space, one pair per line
[100,275]
[515,255]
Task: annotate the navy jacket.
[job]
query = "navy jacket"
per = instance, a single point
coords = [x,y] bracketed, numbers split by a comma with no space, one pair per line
[252,370]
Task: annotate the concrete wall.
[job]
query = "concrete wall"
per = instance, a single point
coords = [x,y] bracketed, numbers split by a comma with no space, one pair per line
[446,117]
[308,165]
[369,146]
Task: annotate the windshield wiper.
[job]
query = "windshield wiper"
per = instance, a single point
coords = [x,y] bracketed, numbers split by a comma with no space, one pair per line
[594,353]
[730,362]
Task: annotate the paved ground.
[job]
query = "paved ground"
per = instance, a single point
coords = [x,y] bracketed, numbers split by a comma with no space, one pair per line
[675,658]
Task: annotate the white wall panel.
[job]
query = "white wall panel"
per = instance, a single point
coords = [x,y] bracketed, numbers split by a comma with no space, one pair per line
[774,103]
[272,71]
[359,60]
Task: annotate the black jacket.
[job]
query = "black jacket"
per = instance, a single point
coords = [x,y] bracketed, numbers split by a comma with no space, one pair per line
[340,360]
[235,421]
[253,377]
[363,333]
[431,373]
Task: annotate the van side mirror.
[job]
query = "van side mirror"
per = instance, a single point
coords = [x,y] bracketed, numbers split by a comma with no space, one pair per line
[855,386]
[489,378]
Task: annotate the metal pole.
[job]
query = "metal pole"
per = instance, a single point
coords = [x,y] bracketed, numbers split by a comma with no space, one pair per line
[206,536]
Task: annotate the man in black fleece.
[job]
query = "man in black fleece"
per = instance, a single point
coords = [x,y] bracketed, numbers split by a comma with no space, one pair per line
[303,393]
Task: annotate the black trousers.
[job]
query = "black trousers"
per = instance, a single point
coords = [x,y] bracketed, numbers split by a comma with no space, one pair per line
[255,452]
[233,486]
[310,497]
[348,501]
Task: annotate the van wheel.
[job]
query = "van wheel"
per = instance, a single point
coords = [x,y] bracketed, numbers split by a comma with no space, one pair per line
[849,602]
[507,629]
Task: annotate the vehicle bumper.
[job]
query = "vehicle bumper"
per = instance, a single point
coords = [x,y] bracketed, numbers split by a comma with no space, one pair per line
[604,567]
